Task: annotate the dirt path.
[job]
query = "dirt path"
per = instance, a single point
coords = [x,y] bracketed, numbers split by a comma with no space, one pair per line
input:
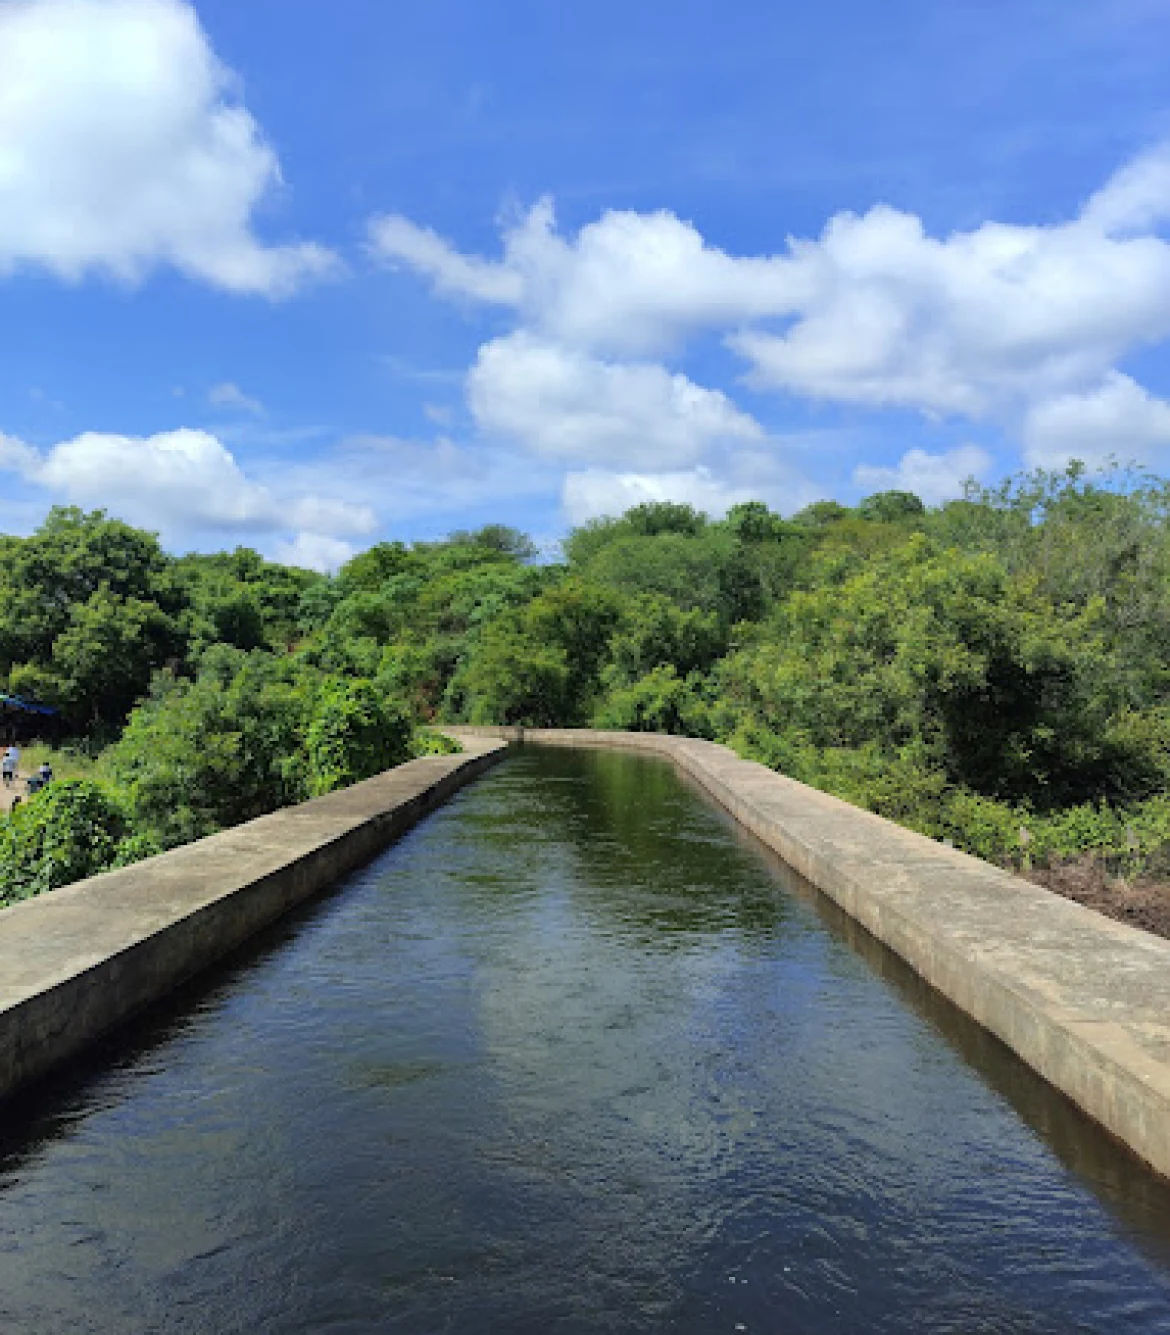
[1144,904]
[9,795]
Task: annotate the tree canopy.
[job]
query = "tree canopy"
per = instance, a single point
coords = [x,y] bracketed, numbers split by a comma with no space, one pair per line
[994,662]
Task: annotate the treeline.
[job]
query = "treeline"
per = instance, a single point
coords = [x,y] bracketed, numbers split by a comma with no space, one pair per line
[993,671]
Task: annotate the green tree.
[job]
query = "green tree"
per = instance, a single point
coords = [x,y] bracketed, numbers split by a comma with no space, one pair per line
[652,631]
[355,732]
[104,658]
[198,756]
[661,701]
[70,830]
[949,654]
[540,664]
[66,562]
[513,678]
[891,507]
[369,570]
[497,538]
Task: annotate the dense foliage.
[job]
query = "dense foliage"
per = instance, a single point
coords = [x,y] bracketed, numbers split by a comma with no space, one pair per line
[994,671]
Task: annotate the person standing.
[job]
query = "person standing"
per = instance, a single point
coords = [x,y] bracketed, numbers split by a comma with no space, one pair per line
[9,764]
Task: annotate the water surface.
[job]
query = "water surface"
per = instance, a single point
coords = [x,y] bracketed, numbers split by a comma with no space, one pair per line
[575,1055]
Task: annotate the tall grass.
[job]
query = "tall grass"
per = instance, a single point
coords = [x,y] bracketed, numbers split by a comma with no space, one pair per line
[65,762]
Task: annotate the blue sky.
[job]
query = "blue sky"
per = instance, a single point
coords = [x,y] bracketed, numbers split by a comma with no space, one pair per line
[306,276]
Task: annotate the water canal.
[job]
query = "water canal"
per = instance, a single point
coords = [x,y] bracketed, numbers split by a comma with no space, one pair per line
[573,1056]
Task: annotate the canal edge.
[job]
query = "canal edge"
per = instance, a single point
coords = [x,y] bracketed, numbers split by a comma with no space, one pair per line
[77,962]
[1081,999]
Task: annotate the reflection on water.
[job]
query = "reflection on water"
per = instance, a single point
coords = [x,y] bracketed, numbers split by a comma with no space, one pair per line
[573,1056]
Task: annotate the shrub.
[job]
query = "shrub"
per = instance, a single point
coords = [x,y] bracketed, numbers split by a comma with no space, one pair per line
[428,743]
[661,701]
[355,732]
[70,830]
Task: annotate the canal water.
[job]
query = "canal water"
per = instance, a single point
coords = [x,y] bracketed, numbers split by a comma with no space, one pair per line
[575,1055]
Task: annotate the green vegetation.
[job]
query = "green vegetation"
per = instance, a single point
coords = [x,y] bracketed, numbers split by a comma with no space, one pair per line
[72,829]
[994,671]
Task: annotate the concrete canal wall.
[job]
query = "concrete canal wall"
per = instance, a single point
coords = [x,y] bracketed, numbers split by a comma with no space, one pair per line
[1083,1000]
[77,961]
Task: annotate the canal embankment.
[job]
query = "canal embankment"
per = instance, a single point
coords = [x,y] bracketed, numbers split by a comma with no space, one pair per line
[78,961]
[1085,1001]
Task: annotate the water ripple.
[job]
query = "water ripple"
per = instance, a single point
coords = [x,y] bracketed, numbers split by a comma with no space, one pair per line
[573,1056]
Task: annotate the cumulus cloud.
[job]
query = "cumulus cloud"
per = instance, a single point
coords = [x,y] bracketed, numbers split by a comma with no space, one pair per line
[314,551]
[1136,198]
[1021,326]
[977,324]
[179,483]
[739,476]
[931,477]
[874,310]
[563,403]
[168,480]
[124,146]
[630,283]
[595,492]
[1117,418]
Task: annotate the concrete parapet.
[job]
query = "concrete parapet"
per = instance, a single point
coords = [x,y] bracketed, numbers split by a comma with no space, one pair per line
[77,961]
[1083,1000]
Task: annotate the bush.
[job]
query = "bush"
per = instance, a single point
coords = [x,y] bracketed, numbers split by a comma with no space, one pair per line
[428,743]
[199,756]
[70,830]
[661,701]
[355,732]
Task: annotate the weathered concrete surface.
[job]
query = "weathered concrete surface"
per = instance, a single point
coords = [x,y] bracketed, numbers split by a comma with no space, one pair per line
[1083,1000]
[77,961]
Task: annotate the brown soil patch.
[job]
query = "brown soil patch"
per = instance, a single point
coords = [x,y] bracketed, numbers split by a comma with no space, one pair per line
[9,794]
[1140,903]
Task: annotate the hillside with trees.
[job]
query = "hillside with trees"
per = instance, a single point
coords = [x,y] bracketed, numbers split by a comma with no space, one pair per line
[994,671]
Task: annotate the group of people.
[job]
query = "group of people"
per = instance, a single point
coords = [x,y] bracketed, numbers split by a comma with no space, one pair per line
[10,764]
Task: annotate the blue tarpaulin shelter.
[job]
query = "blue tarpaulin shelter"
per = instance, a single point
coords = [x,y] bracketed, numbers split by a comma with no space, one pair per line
[21,718]
[26,706]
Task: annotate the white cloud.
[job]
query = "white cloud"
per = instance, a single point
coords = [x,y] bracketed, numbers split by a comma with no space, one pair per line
[314,551]
[16,456]
[1118,417]
[743,476]
[232,396]
[977,324]
[124,146]
[1136,198]
[179,483]
[1021,326]
[565,404]
[874,311]
[595,492]
[323,514]
[398,240]
[629,282]
[931,477]
[165,480]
